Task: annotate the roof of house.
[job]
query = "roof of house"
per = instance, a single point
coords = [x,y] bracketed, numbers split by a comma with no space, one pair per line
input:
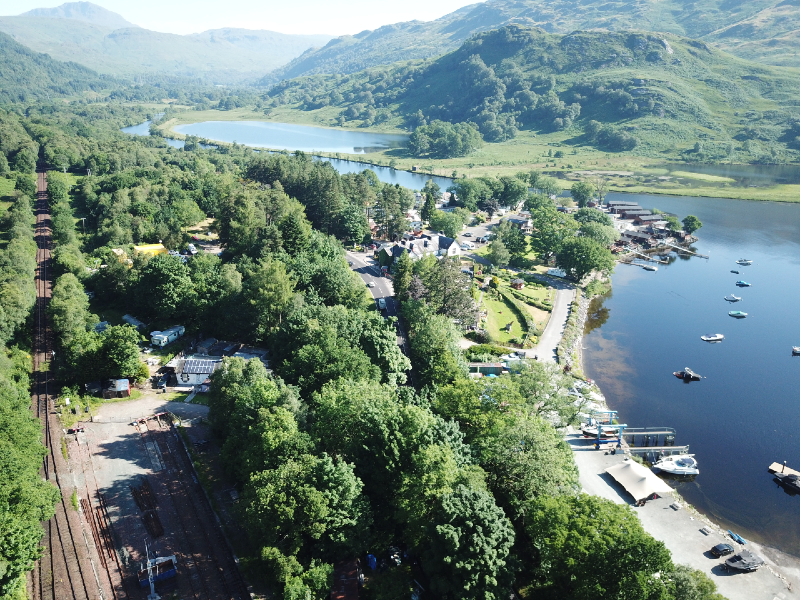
[649,217]
[619,202]
[517,281]
[200,367]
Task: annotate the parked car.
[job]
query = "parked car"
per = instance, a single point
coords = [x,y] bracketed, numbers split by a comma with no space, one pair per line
[162,382]
[192,249]
[722,550]
[467,234]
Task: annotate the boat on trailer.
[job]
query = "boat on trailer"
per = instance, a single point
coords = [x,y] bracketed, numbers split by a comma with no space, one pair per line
[590,431]
[745,561]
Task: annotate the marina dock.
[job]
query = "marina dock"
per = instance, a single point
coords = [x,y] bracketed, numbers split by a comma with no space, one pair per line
[782,468]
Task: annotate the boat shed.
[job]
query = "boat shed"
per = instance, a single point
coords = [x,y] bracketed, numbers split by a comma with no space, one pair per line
[195,371]
[639,481]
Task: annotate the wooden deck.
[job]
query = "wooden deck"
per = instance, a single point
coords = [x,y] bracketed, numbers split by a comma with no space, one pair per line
[779,468]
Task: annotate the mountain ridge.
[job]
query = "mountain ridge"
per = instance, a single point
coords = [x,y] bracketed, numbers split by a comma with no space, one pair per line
[763,30]
[222,56]
[87,12]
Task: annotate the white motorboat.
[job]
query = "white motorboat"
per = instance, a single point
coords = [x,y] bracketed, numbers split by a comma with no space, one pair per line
[679,464]
[590,431]
[649,268]
[796,350]
[733,298]
[716,337]
[744,262]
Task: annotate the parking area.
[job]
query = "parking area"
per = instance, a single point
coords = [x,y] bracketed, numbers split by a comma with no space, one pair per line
[133,461]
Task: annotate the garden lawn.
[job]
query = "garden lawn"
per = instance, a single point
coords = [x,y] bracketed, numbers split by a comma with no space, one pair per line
[499,315]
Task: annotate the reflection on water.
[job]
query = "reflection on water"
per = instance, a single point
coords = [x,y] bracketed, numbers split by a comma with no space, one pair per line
[598,314]
[743,175]
[744,415]
[144,129]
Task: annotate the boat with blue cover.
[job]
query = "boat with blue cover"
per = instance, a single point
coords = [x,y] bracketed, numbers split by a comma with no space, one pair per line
[737,314]
[741,283]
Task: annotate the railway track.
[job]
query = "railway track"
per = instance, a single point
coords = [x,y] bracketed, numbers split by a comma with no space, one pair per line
[66,570]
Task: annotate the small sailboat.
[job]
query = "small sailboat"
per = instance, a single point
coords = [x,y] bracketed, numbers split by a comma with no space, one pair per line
[733,298]
[737,314]
[741,283]
[744,262]
[715,337]
[688,375]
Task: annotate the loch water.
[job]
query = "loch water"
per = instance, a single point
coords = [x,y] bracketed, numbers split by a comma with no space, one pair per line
[745,414]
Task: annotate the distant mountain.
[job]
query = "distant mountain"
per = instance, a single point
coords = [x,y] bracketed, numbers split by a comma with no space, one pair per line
[82,11]
[764,30]
[76,32]
[26,75]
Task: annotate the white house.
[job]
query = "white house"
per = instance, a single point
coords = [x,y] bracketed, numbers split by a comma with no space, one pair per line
[195,371]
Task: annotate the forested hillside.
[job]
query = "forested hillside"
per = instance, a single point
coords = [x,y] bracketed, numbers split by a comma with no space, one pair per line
[26,75]
[618,91]
[347,446]
[763,30]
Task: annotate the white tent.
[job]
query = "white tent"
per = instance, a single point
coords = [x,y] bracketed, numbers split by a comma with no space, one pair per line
[639,481]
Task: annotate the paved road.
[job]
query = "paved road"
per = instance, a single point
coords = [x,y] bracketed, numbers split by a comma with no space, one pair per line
[368,269]
[548,343]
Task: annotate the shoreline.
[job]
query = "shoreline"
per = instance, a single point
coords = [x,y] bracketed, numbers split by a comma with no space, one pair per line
[779,558]
[167,131]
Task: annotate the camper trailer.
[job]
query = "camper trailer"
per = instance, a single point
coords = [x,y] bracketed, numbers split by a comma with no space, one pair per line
[162,338]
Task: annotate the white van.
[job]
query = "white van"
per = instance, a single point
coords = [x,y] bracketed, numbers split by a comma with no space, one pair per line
[467,246]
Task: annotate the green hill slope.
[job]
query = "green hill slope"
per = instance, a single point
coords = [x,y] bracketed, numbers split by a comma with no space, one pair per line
[765,30]
[220,56]
[26,75]
[654,95]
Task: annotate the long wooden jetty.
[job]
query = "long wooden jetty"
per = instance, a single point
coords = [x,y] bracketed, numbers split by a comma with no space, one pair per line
[682,249]
[666,450]
[647,257]
[782,468]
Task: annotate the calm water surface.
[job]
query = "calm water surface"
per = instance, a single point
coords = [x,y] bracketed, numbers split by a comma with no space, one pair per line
[746,414]
[144,129]
[283,136]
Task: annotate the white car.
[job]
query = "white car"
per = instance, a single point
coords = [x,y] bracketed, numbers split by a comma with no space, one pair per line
[467,246]
[371,284]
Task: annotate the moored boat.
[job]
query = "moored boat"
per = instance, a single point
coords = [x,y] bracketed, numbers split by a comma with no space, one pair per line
[789,480]
[737,314]
[715,337]
[737,272]
[687,375]
[741,283]
[680,464]
[650,268]
[744,262]
[733,298]
[796,351]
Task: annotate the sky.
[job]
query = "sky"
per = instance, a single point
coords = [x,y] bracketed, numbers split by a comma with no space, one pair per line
[334,17]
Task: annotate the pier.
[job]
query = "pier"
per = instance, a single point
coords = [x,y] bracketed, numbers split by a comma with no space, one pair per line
[682,249]
[646,256]
[782,468]
[650,436]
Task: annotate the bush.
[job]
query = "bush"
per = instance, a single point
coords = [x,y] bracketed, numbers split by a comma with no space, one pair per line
[480,349]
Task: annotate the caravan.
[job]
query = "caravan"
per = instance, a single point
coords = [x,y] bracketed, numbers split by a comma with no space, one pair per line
[162,338]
